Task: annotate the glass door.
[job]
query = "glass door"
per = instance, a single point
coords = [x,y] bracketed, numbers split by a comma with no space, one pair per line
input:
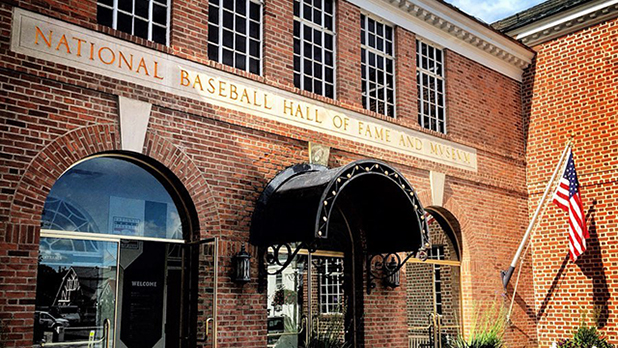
[125,293]
[150,293]
[330,319]
[76,292]
[308,305]
[287,301]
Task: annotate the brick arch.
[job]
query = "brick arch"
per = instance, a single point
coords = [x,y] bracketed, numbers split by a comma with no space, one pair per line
[452,229]
[462,217]
[38,179]
[452,208]
[467,287]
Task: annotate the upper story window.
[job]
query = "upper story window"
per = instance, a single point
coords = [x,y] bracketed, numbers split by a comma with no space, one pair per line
[377,63]
[148,19]
[235,33]
[430,82]
[314,62]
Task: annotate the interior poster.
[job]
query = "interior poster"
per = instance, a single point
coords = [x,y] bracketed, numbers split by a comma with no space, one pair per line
[126,216]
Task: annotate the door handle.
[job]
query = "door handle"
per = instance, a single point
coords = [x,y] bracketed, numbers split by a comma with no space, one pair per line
[206,330]
[207,326]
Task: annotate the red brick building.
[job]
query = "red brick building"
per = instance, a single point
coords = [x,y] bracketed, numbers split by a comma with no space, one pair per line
[143,144]
[571,89]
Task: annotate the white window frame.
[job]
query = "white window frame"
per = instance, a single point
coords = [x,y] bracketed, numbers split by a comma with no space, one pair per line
[325,282]
[248,21]
[386,56]
[115,9]
[304,22]
[437,253]
[422,113]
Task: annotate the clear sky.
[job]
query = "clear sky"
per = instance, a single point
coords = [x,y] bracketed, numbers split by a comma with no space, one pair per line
[493,10]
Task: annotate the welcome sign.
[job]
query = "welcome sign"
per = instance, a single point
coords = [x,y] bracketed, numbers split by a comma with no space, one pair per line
[52,40]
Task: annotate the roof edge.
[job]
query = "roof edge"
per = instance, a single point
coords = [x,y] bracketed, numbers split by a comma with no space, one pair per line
[565,22]
[453,29]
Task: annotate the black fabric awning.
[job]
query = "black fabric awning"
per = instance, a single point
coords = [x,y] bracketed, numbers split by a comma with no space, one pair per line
[299,204]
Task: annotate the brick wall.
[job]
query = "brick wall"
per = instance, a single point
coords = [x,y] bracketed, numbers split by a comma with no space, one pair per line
[55,115]
[572,90]
[347,24]
[278,52]
[405,77]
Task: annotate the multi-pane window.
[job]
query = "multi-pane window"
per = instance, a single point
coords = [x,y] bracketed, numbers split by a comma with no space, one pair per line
[437,253]
[148,19]
[430,82]
[314,55]
[331,285]
[377,64]
[235,33]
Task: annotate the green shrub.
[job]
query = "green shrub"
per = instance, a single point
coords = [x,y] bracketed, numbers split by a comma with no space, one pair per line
[586,337]
[328,333]
[487,329]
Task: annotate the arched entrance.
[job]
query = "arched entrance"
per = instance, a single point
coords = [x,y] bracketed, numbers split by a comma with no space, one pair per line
[319,230]
[434,286]
[116,268]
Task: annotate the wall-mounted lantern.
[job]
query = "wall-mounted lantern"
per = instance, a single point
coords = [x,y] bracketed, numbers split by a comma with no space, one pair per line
[393,280]
[386,267]
[243,266]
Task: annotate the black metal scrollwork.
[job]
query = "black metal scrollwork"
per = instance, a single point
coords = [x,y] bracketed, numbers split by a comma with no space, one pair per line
[274,257]
[281,256]
[387,266]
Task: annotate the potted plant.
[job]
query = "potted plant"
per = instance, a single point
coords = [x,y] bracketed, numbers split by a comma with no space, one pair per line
[487,329]
[585,337]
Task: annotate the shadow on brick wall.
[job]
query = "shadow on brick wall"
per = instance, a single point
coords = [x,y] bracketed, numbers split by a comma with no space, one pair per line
[591,265]
[550,292]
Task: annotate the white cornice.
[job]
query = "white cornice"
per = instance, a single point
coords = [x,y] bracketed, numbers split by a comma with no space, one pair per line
[453,30]
[566,22]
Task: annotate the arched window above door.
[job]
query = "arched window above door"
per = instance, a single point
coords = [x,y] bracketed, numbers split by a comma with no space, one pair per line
[112,195]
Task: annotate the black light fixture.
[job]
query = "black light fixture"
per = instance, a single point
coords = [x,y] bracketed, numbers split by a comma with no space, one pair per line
[393,279]
[243,266]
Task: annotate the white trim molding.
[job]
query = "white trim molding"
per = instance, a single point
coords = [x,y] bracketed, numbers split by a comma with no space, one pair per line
[455,31]
[566,22]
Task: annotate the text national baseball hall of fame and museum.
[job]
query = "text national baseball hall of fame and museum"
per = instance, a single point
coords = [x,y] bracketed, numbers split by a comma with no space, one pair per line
[52,40]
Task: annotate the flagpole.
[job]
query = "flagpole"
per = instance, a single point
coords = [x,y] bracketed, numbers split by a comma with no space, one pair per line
[506,275]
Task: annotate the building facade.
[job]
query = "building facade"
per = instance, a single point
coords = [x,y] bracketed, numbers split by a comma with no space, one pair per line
[571,92]
[145,144]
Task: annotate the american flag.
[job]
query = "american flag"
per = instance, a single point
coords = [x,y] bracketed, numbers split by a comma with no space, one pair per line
[568,198]
[429,218]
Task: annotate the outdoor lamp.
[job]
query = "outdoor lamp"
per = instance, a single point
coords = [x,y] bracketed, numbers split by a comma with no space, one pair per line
[393,279]
[243,266]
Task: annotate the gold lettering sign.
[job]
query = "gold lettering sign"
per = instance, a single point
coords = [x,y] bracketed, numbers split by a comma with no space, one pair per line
[49,39]
[103,54]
